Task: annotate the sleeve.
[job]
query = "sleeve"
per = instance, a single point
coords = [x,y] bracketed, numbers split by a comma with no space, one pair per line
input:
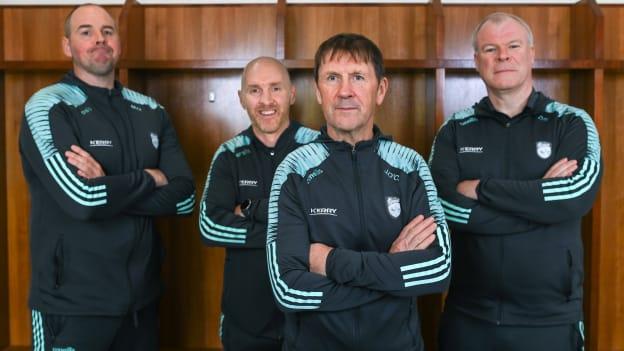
[409,273]
[462,213]
[295,288]
[46,134]
[218,224]
[178,196]
[553,200]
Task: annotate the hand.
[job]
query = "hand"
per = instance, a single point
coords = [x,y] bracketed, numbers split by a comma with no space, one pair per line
[238,211]
[468,188]
[87,166]
[562,168]
[159,177]
[318,258]
[418,234]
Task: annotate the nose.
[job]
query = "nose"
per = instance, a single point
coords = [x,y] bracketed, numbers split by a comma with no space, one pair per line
[503,54]
[346,89]
[99,37]
[266,97]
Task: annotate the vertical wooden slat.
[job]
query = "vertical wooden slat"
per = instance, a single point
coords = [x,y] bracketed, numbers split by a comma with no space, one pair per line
[280,30]
[4,299]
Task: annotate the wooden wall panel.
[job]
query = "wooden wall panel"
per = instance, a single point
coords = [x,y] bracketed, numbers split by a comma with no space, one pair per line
[193,273]
[402,114]
[613,32]
[550,24]
[4,272]
[35,33]
[399,31]
[209,32]
[610,307]
[23,85]
[463,89]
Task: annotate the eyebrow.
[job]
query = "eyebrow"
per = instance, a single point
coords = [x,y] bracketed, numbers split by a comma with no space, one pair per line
[89,26]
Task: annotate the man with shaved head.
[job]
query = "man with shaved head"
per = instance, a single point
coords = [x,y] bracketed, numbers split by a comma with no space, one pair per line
[101,161]
[234,205]
[516,172]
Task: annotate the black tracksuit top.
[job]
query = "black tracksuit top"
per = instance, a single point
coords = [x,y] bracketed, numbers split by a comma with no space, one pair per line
[517,249]
[242,168]
[94,250]
[355,199]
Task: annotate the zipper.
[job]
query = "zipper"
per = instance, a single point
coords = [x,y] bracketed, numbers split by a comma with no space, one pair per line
[358,187]
[499,318]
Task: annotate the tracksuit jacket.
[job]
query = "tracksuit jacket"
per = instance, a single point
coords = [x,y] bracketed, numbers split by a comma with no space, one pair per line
[94,250]
[518,252]
[355,199]
[242,168]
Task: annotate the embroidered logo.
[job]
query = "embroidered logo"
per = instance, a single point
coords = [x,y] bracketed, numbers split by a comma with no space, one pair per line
[100,143]
[155,141]
[544,149]
[393,204]
[471,150]
[69,348]
[393,176]
[468,121]
[542,118]
[135,107]
[245,182]
[243,153]
[315,173]
[324,211]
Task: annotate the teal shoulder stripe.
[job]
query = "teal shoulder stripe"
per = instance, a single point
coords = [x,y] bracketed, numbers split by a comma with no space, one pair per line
[297,162]
[398,156]
[593,141]
[139,98]
[305,135]
[37,112]
[463,117]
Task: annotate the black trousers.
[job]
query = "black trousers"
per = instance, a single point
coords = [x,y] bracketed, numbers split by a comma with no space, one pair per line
[135,331]
[459,332]
[234,338]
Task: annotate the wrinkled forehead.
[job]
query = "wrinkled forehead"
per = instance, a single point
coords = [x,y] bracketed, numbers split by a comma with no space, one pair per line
[351,56]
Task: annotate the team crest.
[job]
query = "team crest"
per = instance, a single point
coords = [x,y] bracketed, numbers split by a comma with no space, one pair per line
[544,149]
[393,204]
[154,140]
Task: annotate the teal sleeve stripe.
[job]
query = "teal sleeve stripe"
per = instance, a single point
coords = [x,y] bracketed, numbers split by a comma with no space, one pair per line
[450,212]
[297,162]
[186,206]
[305,135]
[583,181]
[456,220]
[210,229]
[139,99]
[451,206]
[37,112]
[408,161]
[38,335]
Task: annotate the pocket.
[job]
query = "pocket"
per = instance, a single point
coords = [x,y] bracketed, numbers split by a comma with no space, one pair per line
[59,261]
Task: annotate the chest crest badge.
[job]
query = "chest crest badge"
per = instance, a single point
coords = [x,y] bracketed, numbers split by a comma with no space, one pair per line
[155,141]
[544,149]
[393,204]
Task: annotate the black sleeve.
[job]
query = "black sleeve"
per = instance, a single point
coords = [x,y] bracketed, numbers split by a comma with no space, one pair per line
[178,196]
[46,134]
[462,213]
[409,273]
[295,288]
[558,199]
[218,224]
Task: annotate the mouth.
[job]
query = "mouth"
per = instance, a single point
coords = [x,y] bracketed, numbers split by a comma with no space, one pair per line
[268,112]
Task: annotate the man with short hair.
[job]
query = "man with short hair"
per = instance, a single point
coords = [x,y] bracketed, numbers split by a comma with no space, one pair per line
[515,172]
[355,228]
[101,161]
[234,205]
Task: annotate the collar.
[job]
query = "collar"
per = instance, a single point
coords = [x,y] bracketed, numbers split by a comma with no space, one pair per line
[71,78]
[536,105]
[286,138]
[377,136]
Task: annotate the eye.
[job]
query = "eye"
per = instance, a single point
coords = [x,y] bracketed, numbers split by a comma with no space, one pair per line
[253,91]
[489,49]
[277,89]
[332,77]
[359,77]
[108,32]
[514,46]
[85,32]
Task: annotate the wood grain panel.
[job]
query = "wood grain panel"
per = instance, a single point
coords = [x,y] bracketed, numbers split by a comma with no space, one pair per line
[35,33]
[22,86]
[4,271]
[209,32]
[464,89]
[402,114]
[550,25]
[613,32]
[609,332]
[193,273]
[399,31]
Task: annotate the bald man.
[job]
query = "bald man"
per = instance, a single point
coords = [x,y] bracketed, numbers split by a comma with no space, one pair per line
[235,201]
[100,161]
